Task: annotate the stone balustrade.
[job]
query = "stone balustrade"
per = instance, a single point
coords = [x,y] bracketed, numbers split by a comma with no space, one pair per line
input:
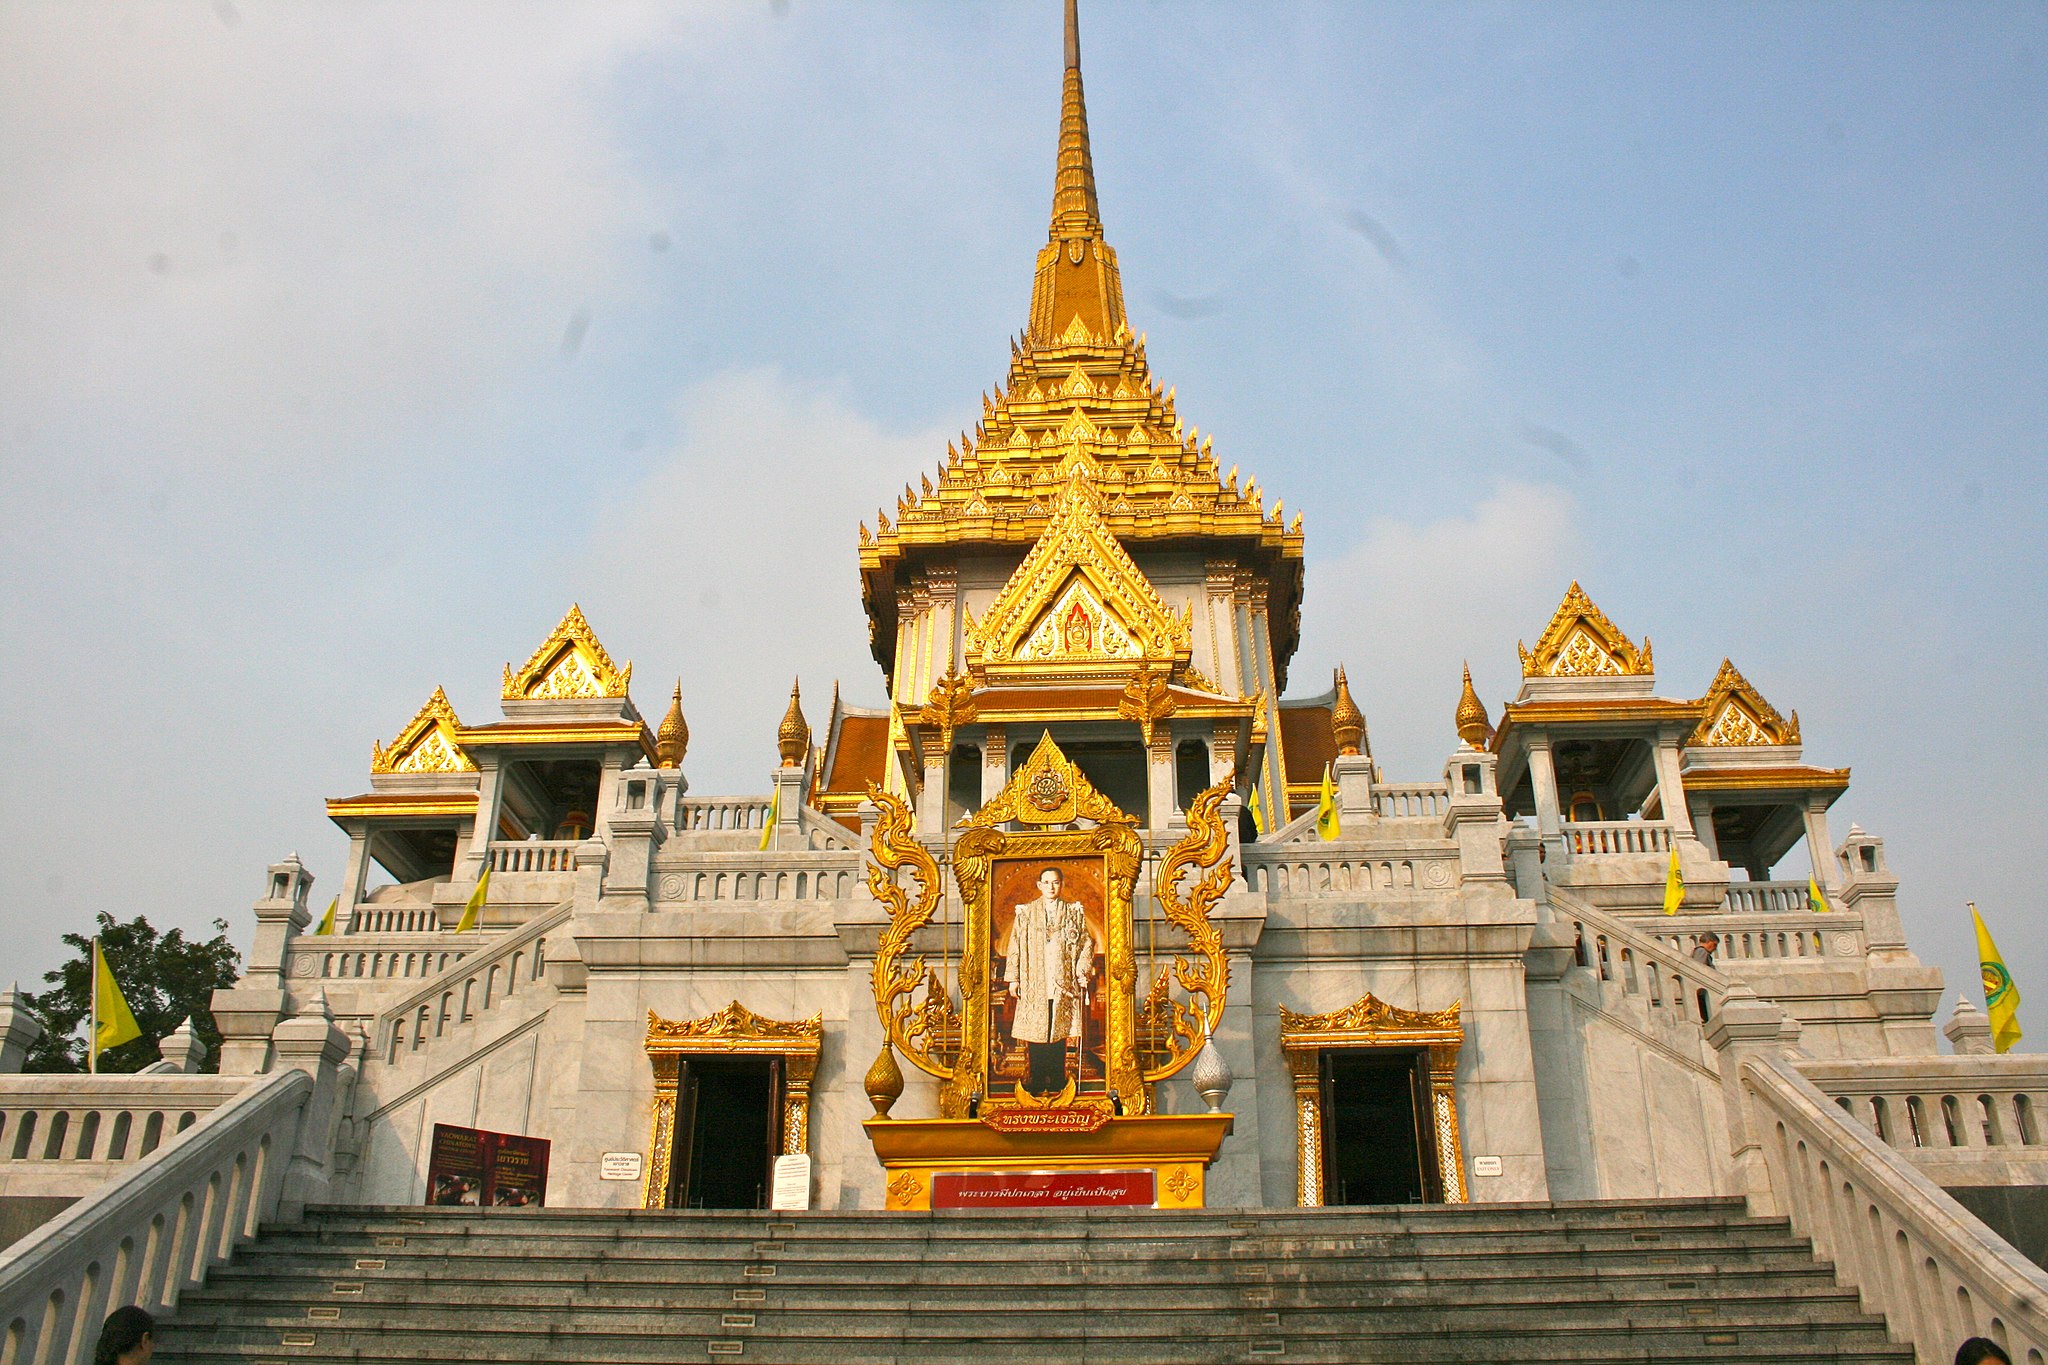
[64,1134]
[722,813]
[395,917]
[533,855]
[1601,838]
[1937,1273]
[150,1236]
[1662,975]
[1411,800]
[365,957]
[1765,898]
[477,984]
[1298,870]
[1793,938]
[1966,1120]
[698,878]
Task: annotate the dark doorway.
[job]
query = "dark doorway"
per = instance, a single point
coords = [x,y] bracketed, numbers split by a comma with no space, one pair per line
[725,1132]
[1375,1115]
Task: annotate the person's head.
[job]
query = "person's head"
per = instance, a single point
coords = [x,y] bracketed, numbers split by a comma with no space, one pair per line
[128,1338]
[1049,883]
[1977,1350]
[1710,940]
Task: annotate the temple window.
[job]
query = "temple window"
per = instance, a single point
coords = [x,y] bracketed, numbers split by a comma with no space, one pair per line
[963,783]
[1190,772]
[550,798]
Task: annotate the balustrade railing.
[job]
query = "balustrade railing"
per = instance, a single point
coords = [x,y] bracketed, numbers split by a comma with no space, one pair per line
[1288,870]
[1937,1273]
[158,1231]
[533,855]
[395,917]
[743,877]
[76,1129]
[1670,983]
[1946,1103]
[1765,898]
[320,957]
[1808,938]
[1411,800]
[477,984]
[722,813]
[1596,838]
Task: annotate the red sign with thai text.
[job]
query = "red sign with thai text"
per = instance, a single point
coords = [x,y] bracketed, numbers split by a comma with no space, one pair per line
[1042,1189]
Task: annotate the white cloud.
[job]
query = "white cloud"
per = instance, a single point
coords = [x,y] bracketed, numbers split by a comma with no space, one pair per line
[1408,602]
[737,558]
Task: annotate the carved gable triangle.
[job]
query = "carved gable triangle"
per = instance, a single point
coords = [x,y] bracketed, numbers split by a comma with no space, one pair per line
[1738,716]
[426,743]
[1580,642]
[570,663]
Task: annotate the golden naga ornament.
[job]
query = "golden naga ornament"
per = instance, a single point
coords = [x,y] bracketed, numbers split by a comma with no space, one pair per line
[793,736]
[1147,700]
[1473,726]
[950,707]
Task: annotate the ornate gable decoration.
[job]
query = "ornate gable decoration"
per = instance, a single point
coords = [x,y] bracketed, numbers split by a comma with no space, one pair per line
[1580,642]
[570,663]
[1077,604]
[426,744]
[734,1028]
[1738,716]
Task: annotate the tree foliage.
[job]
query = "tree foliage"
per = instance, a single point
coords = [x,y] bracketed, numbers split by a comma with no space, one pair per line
[165,978]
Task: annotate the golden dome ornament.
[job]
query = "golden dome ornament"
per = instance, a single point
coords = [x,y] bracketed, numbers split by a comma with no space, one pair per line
[1347,722]
[793,736]
[1473,727]
[672,741]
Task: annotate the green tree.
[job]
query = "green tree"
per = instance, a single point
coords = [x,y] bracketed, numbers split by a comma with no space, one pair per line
[165,978]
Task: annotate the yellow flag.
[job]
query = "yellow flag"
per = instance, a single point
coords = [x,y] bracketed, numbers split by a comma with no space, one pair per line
[1815,901]
[327,920]
[1326,808]
[472,909]
[774,814]
[2001,996]
[1258,815]
[1674,885]
[113,1025]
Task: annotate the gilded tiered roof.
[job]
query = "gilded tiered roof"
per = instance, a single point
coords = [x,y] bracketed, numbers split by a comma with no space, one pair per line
[1079,403]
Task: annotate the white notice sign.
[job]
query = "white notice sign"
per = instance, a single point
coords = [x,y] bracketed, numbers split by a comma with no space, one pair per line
[792,1182]
[1486,1165]
[619,1166]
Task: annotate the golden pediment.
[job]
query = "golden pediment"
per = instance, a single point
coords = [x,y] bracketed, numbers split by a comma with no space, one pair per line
[1739,717]
[426,743]
[1048,790]
[570,664]
[1580,642]
[1077,602]
[734,1028]
[1370,1018]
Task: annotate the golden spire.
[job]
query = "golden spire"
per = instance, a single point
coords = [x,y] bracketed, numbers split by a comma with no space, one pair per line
[1078,295]
[793,736]
[1347,722]
[672,741]
[1473,727]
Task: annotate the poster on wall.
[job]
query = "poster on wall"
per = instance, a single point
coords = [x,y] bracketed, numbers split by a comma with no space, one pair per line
[471,1168]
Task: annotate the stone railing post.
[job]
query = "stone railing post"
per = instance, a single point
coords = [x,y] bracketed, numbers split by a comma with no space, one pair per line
[637,832]
[248,1012]
[183,1051]
[311,1042]
[1474,817]
[19,1030]
[1745,1027]
[1352,774]
[1968,1030]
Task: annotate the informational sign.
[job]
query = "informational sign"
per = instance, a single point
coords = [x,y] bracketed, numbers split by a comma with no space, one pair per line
[1042,1189]
[468,1167]
[1486,1165]
[619,1166]
[792,1182]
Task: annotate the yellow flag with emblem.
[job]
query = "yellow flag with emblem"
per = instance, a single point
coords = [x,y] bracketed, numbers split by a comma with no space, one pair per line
[472,909]
[327,920]
[112,1024]
[1674,885]
[2001,996]
[1258,815]
[1815,901]
[774,814]
[1326,808]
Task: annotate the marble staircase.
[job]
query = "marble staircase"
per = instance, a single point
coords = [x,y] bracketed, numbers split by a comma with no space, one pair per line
[1671,1281]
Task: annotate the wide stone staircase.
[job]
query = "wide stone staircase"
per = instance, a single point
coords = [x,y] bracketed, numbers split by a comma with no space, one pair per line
[1665,1281]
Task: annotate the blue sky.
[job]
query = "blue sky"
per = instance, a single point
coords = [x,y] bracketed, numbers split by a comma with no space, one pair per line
[348,346]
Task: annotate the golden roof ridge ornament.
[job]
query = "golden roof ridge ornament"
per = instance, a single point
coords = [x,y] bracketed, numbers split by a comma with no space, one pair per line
[1347,722]
[793,736]
[1581,642]
[424,744]
[1473,727]
[1739,717]
[672,741]
[570,663]
[1077,298]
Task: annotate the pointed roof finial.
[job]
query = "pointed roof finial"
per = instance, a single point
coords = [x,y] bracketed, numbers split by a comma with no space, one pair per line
[1473,727]
[1078,289]
[672,741]
[793,736]
[1347,722]
[1074,208]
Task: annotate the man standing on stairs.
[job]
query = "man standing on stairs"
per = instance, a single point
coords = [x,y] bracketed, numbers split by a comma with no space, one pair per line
[1050,959]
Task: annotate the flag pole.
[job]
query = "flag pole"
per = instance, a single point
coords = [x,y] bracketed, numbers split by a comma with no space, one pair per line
[92,995]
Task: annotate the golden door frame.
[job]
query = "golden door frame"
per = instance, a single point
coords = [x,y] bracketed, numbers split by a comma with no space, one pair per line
[732,1031]
[1372,1023]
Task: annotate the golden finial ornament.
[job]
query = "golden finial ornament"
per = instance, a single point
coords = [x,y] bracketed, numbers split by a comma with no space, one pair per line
[1473,727]
[884,1081]
[1347,722]
[672,740]
[793,736]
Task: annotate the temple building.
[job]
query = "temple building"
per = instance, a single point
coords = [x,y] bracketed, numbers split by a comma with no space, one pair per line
[1090,889]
